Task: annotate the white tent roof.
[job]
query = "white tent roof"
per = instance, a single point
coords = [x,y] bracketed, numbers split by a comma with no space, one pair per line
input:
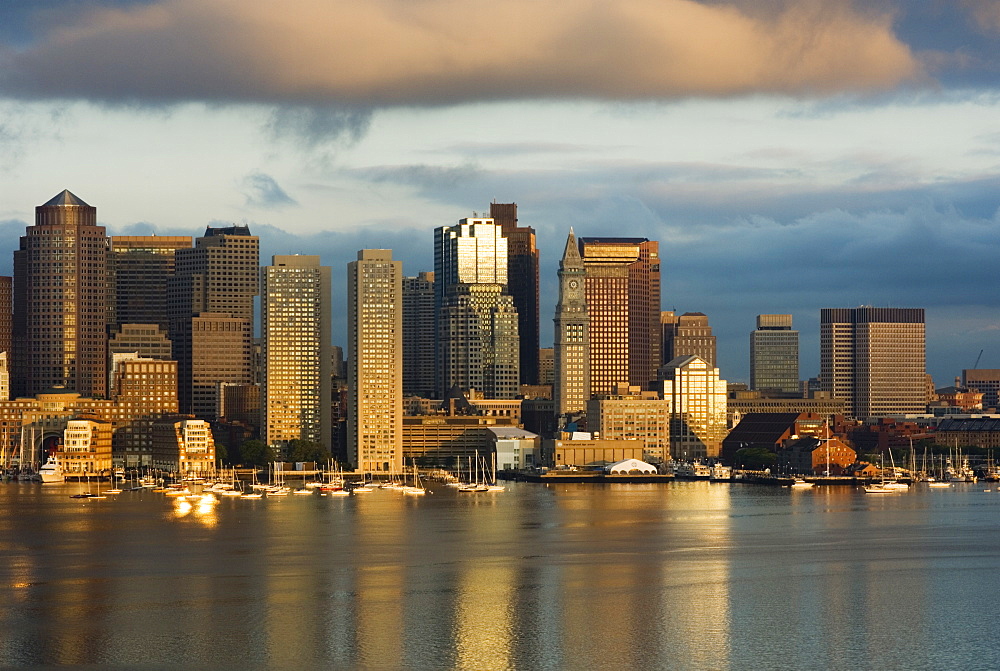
[629,465]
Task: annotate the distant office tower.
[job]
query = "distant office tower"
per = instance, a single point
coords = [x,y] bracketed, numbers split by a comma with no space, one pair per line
[6,314]
[61,300]
[874,359]
[140,266]
[571,374]
[338,367]
[4,376]
[418,335]
[774,354]
[697,408]
[547,365]
[687,335]
[295,330]
[522,284]
[986,380]
[215,283]
[623,301]
[147,340]
[477,342]
[375,366]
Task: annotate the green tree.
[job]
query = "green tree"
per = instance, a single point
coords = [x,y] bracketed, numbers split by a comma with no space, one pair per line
[306,450]
[755,458]
[256,453]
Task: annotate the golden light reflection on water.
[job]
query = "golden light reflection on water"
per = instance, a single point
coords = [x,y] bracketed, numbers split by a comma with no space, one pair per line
[483,618]
[199,508]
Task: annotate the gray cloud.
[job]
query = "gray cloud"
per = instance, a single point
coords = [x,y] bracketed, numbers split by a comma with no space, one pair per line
[261,190]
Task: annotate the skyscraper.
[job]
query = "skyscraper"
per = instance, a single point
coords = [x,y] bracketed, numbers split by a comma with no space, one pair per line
[61,300]
[774,354]
[7,315]
[688,334]
[522,284]
[571,375]
[418,335]
[375,366]
[874,359]
[477,342]
[140,267]
[210,303]
[623,301]
[295,329]
[697,399]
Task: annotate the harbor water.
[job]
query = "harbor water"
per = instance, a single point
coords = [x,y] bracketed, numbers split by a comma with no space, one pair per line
[685,575]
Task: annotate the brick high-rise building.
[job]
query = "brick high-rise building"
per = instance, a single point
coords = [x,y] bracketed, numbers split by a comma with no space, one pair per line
[874,359]
[295,325]
[61,300]
[623,301]
[688,334]
[522,284]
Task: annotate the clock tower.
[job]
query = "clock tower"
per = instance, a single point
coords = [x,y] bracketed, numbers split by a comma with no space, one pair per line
[572,334]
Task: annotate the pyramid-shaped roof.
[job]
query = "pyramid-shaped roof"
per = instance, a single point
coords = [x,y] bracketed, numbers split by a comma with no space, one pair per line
[65,198]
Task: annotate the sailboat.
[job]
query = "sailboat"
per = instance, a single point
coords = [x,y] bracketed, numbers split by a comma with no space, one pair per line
[492,486]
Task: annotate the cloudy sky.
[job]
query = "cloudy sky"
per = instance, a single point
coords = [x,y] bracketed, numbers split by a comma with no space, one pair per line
[789,155]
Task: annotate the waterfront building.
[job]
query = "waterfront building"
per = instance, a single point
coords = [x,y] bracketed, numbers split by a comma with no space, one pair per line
[86,447]
[142,390]
[149,341]
[774,354]
[623,303]
[589,453]
[742,403]
[210,302]
[418,335]
[452,442]
[985,380]
[770,431]
[809,455]
[522,284]
[697,407]
[477,338]
[514,448]
[140,267]
[632,414]
[688,334]
[874,358]
[61,300]
[572,355]
[375,365]
[183,445]
[295,328]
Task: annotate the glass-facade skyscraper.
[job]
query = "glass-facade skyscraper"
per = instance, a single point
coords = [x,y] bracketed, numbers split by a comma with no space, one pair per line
[774,354]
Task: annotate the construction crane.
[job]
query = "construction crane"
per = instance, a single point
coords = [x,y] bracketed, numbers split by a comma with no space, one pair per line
[977,360]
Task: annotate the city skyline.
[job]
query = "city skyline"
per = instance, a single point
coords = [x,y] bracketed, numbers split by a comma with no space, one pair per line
[772,186]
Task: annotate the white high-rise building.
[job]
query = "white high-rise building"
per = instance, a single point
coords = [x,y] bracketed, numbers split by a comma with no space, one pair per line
[295,362]
[375,361]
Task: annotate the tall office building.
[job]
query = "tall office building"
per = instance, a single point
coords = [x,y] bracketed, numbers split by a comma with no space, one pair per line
[522,284]
[418,335]
[774,354]
[623,301]
[295,329]
[6,314]
[375,366]
[477,338]
[571,375]
[986,380]
[697,399]
[210,301]
[61,300]
[140,268]
[874,359]
[688,334]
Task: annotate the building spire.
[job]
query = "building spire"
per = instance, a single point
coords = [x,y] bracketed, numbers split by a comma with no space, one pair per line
[571,255]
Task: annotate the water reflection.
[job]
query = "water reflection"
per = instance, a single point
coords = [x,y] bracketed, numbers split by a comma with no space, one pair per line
[689,575]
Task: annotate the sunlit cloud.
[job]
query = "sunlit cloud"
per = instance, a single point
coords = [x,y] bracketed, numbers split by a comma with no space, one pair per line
[399,52]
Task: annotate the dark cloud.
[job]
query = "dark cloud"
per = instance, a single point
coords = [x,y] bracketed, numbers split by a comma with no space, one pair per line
[262,191]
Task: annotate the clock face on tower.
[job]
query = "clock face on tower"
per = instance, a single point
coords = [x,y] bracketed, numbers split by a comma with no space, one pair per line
[573,284]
